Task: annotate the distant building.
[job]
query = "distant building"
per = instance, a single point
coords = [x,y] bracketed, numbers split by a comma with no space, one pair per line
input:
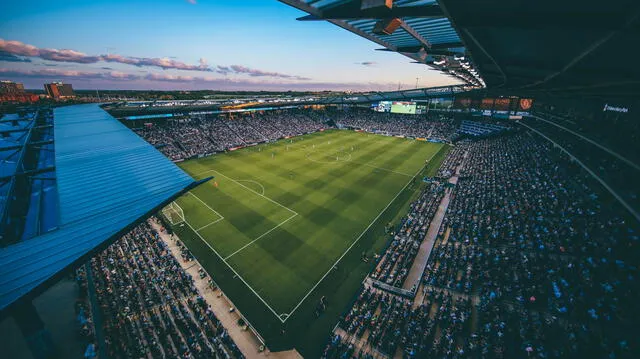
[11,88]
[58,90]
[13,92]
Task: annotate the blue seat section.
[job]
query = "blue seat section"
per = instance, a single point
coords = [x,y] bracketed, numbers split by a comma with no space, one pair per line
[107,179]
[479,129]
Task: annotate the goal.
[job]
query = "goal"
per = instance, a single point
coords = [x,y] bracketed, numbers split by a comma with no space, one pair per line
[173,213]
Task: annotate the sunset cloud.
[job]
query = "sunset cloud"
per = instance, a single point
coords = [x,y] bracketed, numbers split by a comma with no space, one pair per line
[10,50]
[18,48]
[9,57]
[123,80]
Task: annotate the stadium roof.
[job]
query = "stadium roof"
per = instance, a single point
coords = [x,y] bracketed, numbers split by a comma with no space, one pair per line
[418,29]
[515,47]
[108,179]
[571,47]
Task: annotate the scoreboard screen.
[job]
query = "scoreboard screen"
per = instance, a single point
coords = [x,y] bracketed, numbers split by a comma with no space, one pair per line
[403,107]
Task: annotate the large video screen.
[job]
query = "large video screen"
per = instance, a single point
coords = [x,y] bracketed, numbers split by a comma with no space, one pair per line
[383,106]
[403,107]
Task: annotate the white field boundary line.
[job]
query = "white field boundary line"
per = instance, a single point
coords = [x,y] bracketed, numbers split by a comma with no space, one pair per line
[606,149]
[209,224]
[234,272]
[255,182]
[360,236]
[241,185]
[262,235]
[203,202]
[213,210]
[602,182]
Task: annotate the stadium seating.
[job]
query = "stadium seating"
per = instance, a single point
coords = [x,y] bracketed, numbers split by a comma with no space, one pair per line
[186,138]
[150,305]
[528,263]
[479,129]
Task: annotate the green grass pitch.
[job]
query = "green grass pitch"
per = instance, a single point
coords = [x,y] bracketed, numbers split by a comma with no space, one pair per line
[281,215]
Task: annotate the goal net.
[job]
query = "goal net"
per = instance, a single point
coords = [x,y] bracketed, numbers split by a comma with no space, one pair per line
[173,213]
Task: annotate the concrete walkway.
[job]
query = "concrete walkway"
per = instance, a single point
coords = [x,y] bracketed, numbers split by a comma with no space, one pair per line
[420,262]
[245,339]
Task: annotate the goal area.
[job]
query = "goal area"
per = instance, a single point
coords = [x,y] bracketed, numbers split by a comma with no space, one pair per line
[173,213]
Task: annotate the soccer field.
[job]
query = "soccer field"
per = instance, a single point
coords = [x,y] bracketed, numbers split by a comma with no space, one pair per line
[282,215]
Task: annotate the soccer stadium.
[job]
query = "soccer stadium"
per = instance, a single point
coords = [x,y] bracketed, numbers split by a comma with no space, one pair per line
[163,209]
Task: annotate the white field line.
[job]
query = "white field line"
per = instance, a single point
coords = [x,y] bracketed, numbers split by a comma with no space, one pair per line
[288,315]
[236,273]
[213,210]
[357,239]
[240,184]
[203,202]
[209,224]
[252,181]
[606,149]
[262,235]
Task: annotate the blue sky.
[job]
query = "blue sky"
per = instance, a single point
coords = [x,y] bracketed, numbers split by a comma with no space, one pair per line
[209,44]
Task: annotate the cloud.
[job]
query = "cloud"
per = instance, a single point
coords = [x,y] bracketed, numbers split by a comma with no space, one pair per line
[18,48]
[367,63]
[166,81]
[9,57]
[12,49]
[192,2]
[169,78]
[238,69]
[164,63]
[67,56]
[56,74]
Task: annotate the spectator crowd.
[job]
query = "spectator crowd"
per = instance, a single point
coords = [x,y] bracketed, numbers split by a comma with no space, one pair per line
[533,260]
[202,135]
[150,305]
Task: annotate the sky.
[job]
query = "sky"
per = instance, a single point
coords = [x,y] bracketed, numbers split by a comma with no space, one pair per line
[193,45]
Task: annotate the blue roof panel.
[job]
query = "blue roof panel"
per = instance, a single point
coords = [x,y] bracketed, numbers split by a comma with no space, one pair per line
[107,178]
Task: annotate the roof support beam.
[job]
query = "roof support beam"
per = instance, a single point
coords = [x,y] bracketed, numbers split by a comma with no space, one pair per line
[28,173]
[411,31]
[17,147]
[352,11]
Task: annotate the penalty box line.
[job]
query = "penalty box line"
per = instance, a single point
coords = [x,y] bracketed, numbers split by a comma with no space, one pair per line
[240,184]
[279,316]
[360,236]
[213,210]
[262,235]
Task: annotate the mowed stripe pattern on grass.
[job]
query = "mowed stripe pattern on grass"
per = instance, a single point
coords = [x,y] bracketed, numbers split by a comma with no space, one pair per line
[336,182]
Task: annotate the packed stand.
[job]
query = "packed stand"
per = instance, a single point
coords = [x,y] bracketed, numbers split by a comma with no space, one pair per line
[383,323]
[543,259]
[395,263]
[618,174]
[416,126]
[202,135]
[150,305]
